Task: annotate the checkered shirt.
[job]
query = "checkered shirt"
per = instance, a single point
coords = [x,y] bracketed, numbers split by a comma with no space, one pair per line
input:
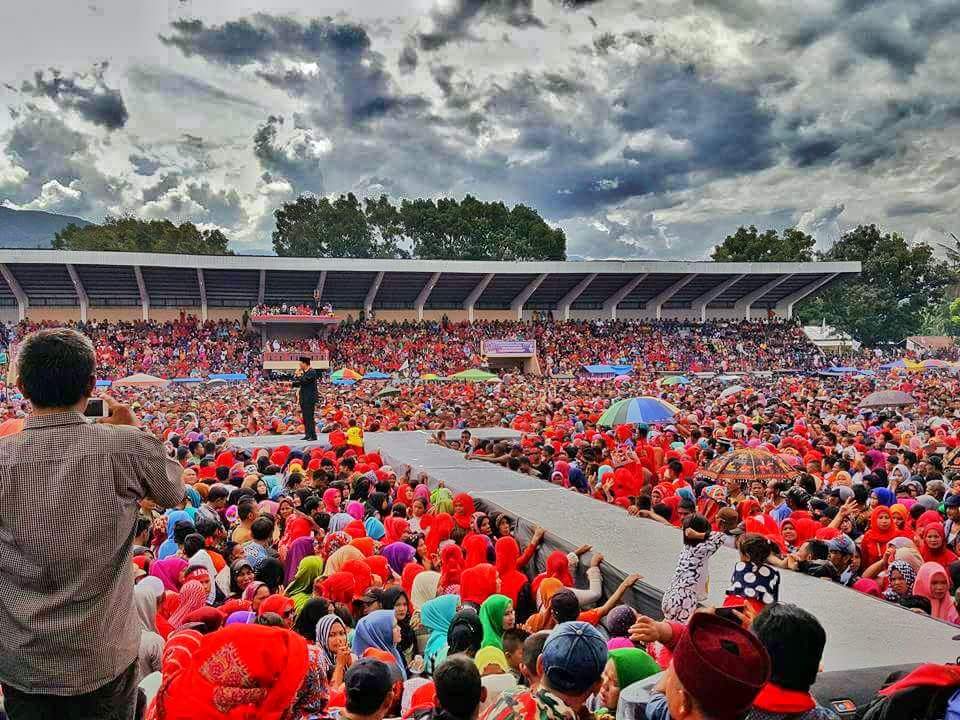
[69,494]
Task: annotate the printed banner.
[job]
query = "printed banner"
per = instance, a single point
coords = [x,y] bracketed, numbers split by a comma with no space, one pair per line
[508,348]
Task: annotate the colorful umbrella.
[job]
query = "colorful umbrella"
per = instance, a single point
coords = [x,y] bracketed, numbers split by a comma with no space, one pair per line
[388,392]
[473,375]
[675,380]
[430,376]
[643,409]
[345,374]
[749,464]
[934,363]
[375,375]
[887,398]
[732,390]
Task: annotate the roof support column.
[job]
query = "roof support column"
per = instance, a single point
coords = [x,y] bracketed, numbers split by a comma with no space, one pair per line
[262,290]
[22,301]
[743,305]
[425,295]
[785,306]
[321,281]
[700,304]
[519,300]
[663,297]
[203,294]
[81,292]
[567,300]
[371,293]
[144,297]
[475,294]
[610,305]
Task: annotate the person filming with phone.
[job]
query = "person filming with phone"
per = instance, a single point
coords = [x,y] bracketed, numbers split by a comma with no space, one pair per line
[69,500]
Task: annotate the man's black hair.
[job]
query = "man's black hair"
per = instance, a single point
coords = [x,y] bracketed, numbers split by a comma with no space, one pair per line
[207,528]
[192,544]
[246,508]
[55,367]
[513,638]
[794,639]
[917,602]
[262,529]
[367,697]
[818,549]
[533,648]
[143,525]
[458,686]
[218,492]
[181,530]
[223,475]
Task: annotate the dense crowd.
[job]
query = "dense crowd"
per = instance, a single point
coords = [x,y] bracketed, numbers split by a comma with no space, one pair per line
[302,584]
[293,309]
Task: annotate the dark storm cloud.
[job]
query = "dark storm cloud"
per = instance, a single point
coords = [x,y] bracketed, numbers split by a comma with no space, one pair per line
[296,161]
[48,150]
[350,83]
[169,82]
[223,207]
[87,94]
[409,59]
[156,191]
[451,21]
[143,165]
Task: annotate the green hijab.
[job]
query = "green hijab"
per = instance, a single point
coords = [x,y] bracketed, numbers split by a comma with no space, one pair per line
[491,618]
[632,664]
[300,588]
[441,500]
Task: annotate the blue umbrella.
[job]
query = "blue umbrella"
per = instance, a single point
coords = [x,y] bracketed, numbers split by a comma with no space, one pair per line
[375,375]
[344,382]
[643,409]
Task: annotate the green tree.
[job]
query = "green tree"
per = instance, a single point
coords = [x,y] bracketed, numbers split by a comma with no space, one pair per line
[747,244]
[130,234]
[888,300]
[315,227]
[386,225]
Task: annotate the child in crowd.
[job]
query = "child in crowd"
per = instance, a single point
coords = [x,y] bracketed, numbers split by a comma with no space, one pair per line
[689,585]
[753,578]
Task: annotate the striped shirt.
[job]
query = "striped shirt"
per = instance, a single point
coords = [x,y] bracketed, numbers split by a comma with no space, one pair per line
[69,494]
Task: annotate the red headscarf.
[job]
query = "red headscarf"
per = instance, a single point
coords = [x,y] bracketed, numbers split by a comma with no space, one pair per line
[278,604]
[441,525]
[874,542]
[557,567]
[396,528]
[478,583]
[355,530]
[410,572]
[193,596]
[451,566]
[339,587]
[465,516]
[475,547]
[941,555]
[364,545]
[380,566]
[240,671]
[362,576]
[511,579]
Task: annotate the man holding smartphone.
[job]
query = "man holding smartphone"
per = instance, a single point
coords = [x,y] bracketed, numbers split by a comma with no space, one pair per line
[69,501]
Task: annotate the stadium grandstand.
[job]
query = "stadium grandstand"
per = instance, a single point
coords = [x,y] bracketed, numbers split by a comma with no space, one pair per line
[47,285]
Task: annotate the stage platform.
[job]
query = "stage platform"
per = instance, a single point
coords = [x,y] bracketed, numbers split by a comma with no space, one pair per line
[864,634]
[296,442]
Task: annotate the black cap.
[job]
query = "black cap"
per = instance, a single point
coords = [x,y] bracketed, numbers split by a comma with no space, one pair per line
[366,684]
[952,501]
[304,359]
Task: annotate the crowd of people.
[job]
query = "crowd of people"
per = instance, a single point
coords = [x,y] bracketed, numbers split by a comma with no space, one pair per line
[316,309]
[281,583]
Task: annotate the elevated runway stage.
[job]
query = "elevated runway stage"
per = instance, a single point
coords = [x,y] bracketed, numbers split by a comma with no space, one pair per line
[866,637]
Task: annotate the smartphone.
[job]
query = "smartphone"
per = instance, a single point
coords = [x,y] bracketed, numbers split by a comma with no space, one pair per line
[728,612]
[96,408]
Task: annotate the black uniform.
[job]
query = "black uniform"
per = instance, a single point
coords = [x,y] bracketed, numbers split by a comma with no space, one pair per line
[307,383]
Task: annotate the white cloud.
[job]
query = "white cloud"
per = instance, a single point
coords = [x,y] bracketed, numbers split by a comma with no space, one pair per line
[53,197]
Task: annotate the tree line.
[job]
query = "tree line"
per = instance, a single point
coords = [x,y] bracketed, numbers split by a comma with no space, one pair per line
[902,290]
[311,226]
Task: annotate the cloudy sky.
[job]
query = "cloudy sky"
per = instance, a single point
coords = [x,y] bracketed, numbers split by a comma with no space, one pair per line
[643,128]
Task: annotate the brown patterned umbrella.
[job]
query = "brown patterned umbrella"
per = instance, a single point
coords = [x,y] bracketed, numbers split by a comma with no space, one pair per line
[750,464]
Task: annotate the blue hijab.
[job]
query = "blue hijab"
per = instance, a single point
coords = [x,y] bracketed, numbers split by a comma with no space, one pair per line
[374,528]
[884,496]
[169,546]
[376,631]
[436,615]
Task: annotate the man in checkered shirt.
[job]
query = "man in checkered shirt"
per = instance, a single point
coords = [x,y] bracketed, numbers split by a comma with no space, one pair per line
[69,499]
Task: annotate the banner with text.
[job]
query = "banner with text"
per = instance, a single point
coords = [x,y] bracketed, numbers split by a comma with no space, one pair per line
[508,348]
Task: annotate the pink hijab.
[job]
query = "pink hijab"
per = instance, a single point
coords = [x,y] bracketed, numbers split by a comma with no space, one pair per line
[941,609]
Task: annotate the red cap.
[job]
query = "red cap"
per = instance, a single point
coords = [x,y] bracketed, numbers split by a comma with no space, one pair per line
[721,665]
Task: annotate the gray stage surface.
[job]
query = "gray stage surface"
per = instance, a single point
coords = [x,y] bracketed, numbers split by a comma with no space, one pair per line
[862,632]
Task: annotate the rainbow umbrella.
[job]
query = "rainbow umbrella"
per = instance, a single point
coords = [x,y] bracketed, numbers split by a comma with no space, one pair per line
[643,409]
[430,376]
[345,374]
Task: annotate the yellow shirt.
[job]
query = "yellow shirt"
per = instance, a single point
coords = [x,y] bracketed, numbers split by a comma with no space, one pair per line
[355,436]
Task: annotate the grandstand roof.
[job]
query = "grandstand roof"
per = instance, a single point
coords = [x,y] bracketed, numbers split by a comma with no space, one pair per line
[69,278]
